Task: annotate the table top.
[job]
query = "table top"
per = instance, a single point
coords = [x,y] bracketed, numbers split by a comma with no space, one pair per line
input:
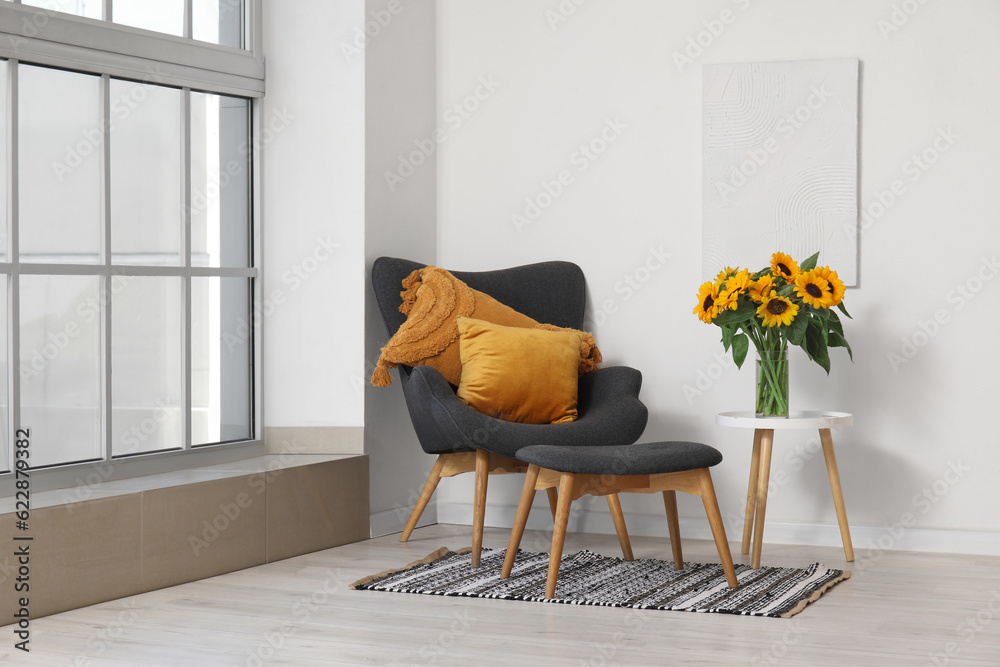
[796,419]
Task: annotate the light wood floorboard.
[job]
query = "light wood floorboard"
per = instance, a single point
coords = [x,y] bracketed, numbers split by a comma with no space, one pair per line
[899,608]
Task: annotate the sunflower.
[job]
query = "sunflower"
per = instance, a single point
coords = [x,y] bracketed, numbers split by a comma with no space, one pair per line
[725,273]
[707,307]
[777,310]
[835,285]
[761,288]
[735,285]
[814,289]
[784,266]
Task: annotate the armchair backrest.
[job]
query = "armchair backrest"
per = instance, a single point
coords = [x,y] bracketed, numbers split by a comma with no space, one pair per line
[549,292]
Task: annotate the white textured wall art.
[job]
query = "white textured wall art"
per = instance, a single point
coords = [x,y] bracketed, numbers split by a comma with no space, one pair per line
[780,168]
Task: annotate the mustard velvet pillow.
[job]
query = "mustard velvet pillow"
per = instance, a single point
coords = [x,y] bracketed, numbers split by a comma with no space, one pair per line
[433,299]
[519,375]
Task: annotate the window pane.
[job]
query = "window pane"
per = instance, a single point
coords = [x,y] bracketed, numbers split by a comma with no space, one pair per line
[4,222]
[220,181]
[218,22]
[146,365]
[60,367]
[221,345]
[89,8]
[159,15]
[145,174]
[59,163]
[4,405]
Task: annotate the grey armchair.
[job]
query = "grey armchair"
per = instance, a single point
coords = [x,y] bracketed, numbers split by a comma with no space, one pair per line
[465,440]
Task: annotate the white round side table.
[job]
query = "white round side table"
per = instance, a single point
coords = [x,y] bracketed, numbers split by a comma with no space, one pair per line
[760,468]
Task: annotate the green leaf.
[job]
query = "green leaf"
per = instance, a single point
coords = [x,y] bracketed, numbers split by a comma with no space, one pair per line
[841,308]
[744,311]
[809,263]
[740,346]
[816,344]
[796,331]
[836,339]
[728,332]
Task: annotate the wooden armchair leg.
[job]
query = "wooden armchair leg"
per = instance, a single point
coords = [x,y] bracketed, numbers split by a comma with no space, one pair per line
[559,533]
[674,526]
[523,509]
[425,496]
[718,528]
[479,507]
[615,505]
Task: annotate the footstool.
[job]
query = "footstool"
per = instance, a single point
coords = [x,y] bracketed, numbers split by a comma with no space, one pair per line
[651,467]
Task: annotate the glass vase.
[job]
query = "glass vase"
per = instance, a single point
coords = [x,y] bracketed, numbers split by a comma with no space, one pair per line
[772,383]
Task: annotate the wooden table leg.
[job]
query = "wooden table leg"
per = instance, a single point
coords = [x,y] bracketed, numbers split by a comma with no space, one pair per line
[838,495]
[764,475]
[751,492]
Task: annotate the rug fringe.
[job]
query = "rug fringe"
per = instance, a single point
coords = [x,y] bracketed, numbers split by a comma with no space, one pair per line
[816,595]
[426,560]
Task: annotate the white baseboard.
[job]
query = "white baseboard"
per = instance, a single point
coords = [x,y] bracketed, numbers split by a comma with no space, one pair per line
[393,521]
[867,540]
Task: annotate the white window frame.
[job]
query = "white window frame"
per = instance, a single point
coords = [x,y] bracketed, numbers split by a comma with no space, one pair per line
[37,36]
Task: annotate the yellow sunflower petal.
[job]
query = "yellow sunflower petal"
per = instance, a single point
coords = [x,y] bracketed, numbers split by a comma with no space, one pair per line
[777,310]
[708,307]
[814,289]
[784,266]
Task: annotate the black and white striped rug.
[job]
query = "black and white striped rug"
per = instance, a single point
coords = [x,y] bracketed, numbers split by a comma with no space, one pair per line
[591,579]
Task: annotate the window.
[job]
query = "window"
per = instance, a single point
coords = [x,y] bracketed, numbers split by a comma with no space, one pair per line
[127,216]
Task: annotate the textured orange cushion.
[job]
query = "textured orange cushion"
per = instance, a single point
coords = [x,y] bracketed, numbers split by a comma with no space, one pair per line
[519,375]
[432,301]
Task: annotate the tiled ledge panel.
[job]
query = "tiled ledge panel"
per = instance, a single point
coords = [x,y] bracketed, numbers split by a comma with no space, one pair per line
[112,540]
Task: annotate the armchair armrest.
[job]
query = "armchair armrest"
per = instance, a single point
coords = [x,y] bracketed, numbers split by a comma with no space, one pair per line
[610,414]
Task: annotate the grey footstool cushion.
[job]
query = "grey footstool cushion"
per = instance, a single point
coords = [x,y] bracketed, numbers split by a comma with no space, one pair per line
[649,458]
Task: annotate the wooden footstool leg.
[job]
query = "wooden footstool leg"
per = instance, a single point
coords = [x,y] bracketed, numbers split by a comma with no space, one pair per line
[615,505]
[523,509]
[674,526]
[553,495]
[559,533]
[718,528]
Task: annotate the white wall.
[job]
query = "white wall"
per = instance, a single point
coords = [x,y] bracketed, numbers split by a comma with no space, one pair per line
[400,222]
[561,82]
[313,200]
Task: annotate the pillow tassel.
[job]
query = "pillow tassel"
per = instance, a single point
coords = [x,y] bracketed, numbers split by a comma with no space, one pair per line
[411,284]
[381,376]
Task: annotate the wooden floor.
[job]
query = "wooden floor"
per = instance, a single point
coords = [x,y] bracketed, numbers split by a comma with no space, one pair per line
[899,608]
